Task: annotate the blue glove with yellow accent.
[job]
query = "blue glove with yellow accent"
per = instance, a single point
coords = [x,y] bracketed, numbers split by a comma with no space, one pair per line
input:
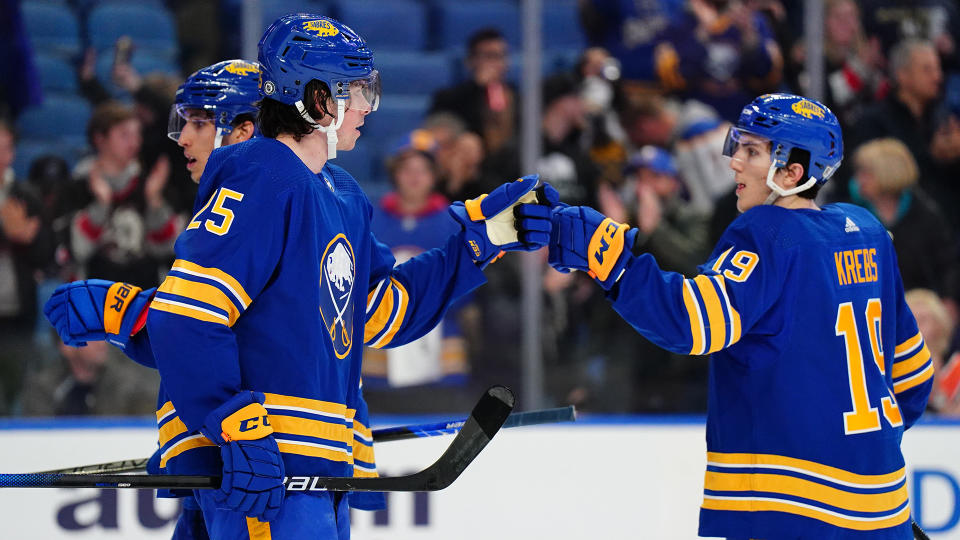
[584,239]
[98,310]
[253,472]
[507,219]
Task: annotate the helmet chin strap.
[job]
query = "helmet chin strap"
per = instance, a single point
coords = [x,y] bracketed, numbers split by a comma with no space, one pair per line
[778,191]
[330,130]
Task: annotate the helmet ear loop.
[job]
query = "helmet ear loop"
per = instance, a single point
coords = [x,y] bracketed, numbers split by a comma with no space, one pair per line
[778,191]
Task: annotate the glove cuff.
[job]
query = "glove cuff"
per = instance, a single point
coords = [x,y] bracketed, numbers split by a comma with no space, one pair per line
[628,238]
[124,312]
[242,418]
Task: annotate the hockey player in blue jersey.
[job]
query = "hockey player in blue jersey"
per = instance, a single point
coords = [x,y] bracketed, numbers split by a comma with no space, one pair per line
[817,365]
[257,329]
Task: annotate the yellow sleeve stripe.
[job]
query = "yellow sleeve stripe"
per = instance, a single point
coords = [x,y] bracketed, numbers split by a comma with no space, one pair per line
[165,410]
[363,432]
[378,319]
[362,472]
[810,468]
[715,319]
[697,330]
[908,345]
[800,487]
[910,382]
[315,406]
[363,453]
[258,530]
[911,364]
[732,315]
[373,295]
[187,310]
[201,292]
[217,275]
[763,504]
[474,209]
[396,321]
[171,429]
[188,443]
[723,256]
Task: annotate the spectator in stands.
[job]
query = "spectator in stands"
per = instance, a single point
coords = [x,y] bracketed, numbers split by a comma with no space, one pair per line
[629,30]
[719,52]
[459,157]
[8,152]
[565,162]
[125,229]
[937,326]
[486,102]
[885,182]
[428,374]
[854,62]
[911,114]
[669,228]
[935,21]
[19,80]
[90,380]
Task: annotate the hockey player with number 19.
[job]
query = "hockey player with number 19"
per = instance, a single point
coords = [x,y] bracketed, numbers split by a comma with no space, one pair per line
[817,364]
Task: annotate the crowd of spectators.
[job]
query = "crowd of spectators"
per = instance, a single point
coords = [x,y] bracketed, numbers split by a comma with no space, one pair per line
[634,129]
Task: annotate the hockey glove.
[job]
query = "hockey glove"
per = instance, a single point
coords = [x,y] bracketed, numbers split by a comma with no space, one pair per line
[500,222]
[253,472]
[584,239]
[97,310]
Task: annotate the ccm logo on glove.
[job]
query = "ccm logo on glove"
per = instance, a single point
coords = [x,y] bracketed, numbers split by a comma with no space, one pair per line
[609,235]
[249,423]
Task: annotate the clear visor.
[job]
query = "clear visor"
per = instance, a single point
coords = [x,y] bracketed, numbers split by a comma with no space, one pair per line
[181,115]
[738,138]
[365,93]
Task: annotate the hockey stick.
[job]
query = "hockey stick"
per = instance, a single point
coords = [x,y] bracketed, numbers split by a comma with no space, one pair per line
[918,533]
[526,418]
[485,420]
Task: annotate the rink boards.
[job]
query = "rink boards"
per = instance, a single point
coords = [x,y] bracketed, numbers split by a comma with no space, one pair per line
[613,478]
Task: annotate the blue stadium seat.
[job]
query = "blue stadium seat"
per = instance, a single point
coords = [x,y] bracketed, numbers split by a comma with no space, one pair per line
[56,74]
[56,117]
[359,162]
[454,22]
[396,116]
[561,25]
[271,10]
[29,150]
[52,28]
[420,73]
[397,25]
[551,62]
[151,27]
[144,61]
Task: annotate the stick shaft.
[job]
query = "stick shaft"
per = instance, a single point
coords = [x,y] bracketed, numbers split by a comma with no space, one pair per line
[527,418]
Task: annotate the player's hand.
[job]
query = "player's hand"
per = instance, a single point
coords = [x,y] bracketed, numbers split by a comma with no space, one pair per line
[97,310]
[253,472]
[584,239]
[513,217]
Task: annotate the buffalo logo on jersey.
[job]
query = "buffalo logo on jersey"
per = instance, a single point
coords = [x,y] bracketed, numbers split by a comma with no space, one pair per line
[242,68]
[320,28]
[338,269]
[808,109]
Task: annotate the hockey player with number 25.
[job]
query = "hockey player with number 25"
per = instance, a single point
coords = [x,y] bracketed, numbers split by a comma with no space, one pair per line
[258,329]
[817,366]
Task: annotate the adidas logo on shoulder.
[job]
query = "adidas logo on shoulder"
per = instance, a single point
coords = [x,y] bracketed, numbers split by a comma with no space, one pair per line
[850,226]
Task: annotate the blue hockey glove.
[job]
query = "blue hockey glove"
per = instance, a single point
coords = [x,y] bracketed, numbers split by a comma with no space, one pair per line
[584,239]
[253,472]
[501,221]
[98,310]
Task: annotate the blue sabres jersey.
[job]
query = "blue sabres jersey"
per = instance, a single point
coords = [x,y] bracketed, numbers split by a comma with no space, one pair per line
[277,286]
[817,368]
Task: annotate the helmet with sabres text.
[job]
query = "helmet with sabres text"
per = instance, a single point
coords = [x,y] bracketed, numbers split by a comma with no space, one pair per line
[219,93]
[300,47]
[792,122]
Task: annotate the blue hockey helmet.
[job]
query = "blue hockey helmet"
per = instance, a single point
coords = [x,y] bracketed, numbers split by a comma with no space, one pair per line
[300,47]
[224,91]
[788,122]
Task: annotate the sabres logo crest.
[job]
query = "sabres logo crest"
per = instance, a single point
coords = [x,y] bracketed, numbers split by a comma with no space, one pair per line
[242,68]
[808,109]
[338,269]
[320,28]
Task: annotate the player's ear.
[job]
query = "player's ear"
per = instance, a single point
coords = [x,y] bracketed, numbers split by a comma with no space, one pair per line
[244,131]
[793,175]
